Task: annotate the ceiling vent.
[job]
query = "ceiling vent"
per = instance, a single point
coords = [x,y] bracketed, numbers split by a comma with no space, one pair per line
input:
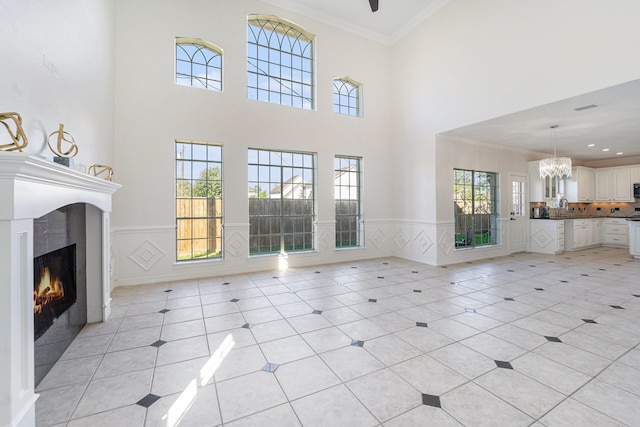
[586,107]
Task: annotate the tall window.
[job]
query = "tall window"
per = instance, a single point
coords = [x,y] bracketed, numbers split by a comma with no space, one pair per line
[198,64]
[280,62]
[346,96]
[346,184]
[198,201]
[475,203]
[281,201]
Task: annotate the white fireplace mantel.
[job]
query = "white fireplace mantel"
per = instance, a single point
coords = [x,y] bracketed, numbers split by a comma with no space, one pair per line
[31,187]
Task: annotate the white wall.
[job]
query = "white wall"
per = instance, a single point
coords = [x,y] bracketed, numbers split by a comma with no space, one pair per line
[152,112]
[473,61]
[57,67]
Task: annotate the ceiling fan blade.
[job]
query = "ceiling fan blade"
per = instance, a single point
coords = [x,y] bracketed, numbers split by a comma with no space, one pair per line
[374,5]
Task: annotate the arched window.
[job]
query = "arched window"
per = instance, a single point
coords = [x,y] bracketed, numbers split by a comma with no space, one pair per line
[346,96]
[198,64]
[280,62]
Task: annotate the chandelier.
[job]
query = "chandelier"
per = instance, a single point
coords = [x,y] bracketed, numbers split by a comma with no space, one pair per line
[555,167]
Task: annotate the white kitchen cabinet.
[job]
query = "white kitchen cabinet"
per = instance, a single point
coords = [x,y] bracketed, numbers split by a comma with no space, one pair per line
[634,238]
[579,234]
[614,185]
[635,175]
[541,190]
[580,187]
[598,231]
[616,232]
[547,236]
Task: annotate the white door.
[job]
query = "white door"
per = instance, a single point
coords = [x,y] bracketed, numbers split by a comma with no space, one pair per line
[519,214]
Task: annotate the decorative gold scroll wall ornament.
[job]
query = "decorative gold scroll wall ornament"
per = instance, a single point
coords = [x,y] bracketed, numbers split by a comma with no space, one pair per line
[18,138]
[101,170]
[73,148]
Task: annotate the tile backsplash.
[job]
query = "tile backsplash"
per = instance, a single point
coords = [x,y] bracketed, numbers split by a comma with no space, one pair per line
[595,209]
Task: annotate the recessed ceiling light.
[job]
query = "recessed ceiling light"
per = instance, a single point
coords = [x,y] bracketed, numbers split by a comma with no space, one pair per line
[605,149]
[591,145]
[619,153]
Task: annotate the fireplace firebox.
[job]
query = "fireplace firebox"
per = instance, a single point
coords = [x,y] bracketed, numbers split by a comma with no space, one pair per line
[54,287]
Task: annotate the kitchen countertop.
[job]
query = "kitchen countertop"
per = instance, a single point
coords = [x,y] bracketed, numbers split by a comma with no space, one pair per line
[556,218]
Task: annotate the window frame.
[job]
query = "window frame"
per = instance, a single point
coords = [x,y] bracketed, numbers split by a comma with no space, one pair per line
[357,221]
[187,177]
[263,65]
[272,223]
[203,44]
[357,99]
[467,225]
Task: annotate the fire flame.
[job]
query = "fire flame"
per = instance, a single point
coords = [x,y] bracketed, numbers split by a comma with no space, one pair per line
[48,290]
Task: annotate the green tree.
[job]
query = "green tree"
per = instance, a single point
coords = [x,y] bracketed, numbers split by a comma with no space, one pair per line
[209,184]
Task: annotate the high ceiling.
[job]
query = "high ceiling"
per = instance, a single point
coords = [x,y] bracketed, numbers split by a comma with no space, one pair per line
[613,124]
[393,19]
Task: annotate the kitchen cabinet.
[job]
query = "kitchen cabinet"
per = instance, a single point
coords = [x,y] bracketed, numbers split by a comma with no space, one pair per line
[580,187]
[634,238]
[547,236]
[614,185]
[598,231]
[541,190]
[616,232]
[581,234]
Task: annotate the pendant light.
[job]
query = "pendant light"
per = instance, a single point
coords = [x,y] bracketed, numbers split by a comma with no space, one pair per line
[555,167]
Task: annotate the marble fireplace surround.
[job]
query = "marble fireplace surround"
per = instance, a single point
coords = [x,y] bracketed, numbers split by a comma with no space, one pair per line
[31,187]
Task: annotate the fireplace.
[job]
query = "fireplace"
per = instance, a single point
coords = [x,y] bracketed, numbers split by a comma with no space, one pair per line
[54,287]
[74,258]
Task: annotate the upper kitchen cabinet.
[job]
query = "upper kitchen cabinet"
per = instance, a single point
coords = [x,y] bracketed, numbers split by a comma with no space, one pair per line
[580,187]
[614,185]
[541,190]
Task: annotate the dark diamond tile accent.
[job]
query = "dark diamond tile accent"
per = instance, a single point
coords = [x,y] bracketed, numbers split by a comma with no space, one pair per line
[357,343]
[589,321]
[414,271]
[637,296]
[380,277]
[564,281]
[418,291]
[509,299]
[169,290]
[316,272]
[510,271]
[452,283]
[431,400]
[469,262]
[421,325]
[158,343]
[618,265]
[316,312]
[148,400]
[602,269]
[270,367]
[532,265]
[274,277]
[539,289]
[373,300]
[444,266]
[585,275]
[385,263]
[618,307]
[503,364]
[247,326]
[163,311]
[553,339]
[226,284]
[235,300]
[470,310]
[354,267]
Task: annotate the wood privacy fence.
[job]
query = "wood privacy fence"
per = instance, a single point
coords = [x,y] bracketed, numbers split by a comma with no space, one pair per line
[199,226]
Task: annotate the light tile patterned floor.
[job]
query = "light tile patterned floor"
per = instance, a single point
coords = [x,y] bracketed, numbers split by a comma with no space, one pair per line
[514,341]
